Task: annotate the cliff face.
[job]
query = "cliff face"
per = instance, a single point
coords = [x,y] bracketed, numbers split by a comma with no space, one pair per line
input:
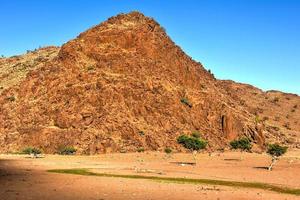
[120,86]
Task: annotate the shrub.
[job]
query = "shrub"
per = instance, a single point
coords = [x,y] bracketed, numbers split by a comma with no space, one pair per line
[140,149]
[66,150]
[191,143]
[186,102]
[11,98]
[242,143]
[196,134]
[257,119]
[90,68]
[276,150]
[168,150]
[287,125]
[141,133]
[31,150]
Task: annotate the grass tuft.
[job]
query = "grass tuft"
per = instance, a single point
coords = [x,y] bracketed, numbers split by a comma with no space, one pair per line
[255,185]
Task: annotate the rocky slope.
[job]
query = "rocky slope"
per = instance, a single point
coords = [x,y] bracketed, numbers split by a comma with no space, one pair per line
[278,111]
[14,69]
[120,86]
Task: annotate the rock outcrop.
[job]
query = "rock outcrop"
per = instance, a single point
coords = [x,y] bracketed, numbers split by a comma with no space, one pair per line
[117,87]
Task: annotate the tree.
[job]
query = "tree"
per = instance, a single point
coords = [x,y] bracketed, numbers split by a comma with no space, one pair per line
[192,143]
[275,150]
[244,144]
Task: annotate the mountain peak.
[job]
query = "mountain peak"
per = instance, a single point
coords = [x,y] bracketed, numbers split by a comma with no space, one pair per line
[131,21]
[121,34]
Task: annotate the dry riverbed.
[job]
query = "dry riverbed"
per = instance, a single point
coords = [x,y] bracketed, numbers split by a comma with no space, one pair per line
[25,178]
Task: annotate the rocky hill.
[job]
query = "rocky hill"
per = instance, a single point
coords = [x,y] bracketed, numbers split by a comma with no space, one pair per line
[120,86]
[14,69]
[278,111]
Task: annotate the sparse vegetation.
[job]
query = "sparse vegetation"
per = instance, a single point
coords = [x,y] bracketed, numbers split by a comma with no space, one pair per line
[196,134]
[210,72]
[31,150]
[294,108]
[66,150]
[11,98]
[141,133]
[243,143]
[287,125]
[254,185]
[257,119]
[186,102]
[140,149]
[90,68]
[275,150]
[168,150]
[191,143]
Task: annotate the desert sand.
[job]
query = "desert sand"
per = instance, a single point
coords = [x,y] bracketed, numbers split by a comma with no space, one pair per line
[23,177]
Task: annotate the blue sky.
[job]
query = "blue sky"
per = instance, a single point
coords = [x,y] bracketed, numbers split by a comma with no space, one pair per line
[250,41]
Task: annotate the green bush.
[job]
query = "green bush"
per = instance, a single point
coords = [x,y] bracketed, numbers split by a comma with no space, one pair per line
[276,150]
[31,150]
[191,143]
[168,150]
[66,150]
[242,143]
[186,102]
[140,149]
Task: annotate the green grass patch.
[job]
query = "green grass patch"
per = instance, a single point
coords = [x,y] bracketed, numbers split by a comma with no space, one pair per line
[254,185]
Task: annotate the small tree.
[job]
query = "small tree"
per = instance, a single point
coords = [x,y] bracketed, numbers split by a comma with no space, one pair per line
[168,150]
[275,150]
[32,151]
[66,150]
[192,143]
[243,143]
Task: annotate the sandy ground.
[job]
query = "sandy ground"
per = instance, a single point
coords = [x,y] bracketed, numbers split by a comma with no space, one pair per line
[27,178]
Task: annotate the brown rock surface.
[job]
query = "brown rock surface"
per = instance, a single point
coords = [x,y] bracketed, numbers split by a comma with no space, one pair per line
[117,87]
[277,112]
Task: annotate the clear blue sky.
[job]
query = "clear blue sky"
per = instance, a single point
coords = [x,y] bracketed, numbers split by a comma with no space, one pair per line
[251,41]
